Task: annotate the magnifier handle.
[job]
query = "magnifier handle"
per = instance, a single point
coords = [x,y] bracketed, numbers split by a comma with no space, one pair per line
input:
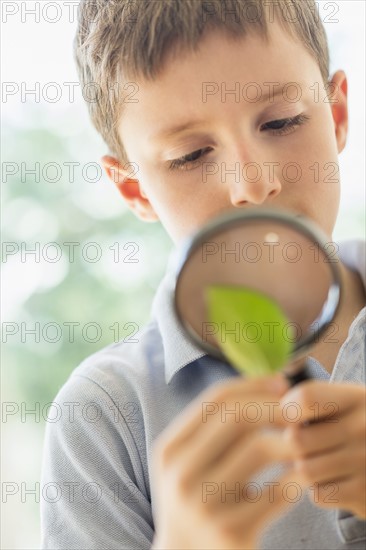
[300,375]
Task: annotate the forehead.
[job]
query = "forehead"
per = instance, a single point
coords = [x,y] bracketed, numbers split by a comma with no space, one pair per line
[221,63]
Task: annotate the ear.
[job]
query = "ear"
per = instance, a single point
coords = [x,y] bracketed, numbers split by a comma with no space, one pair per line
[337,92]
[129,188]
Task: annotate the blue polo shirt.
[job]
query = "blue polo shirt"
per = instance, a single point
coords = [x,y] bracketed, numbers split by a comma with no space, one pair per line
[95,482]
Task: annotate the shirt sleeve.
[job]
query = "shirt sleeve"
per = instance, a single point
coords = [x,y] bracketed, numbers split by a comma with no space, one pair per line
[93,491]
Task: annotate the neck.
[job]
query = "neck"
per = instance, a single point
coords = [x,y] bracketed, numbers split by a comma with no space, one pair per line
[353,299]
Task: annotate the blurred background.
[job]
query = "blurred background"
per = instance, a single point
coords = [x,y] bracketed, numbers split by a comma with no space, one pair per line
[95,267]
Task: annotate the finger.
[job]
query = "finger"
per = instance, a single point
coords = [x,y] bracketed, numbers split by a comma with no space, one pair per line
[217,397]
[233,422]
[332,466]
[231,476]
[308,439]
[347,494]
[251,515]
[318,400]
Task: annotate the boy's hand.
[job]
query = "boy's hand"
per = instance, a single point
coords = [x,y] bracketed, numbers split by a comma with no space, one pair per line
[213,446]
[331,453]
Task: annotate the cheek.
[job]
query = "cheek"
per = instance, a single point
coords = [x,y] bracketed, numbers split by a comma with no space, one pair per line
[171,202]
[322,148]
[314,157]
[321,170]
[313,160]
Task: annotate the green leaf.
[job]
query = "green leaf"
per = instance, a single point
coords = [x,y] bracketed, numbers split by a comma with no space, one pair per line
[251,329]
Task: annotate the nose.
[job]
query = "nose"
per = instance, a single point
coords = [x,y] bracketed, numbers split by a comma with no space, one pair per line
[254,186]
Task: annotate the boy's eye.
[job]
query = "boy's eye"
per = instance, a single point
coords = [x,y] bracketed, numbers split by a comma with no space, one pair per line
[276,127]
[186,162]
[284,124]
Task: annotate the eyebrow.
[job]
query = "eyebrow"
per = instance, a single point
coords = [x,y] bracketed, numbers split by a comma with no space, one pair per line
[178,129]
[171,131]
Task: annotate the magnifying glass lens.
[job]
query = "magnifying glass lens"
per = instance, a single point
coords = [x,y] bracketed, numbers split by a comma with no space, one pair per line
[278,256]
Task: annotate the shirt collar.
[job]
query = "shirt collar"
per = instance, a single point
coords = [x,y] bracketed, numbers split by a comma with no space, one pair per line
[352,252]
[178,350]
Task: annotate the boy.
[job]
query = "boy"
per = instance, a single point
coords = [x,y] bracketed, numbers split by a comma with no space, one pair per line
[153,471]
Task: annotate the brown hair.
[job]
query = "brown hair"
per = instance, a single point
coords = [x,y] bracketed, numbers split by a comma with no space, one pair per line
[118,41]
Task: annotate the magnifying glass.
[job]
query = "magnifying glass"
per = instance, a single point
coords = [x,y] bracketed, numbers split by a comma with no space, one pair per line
[260,262]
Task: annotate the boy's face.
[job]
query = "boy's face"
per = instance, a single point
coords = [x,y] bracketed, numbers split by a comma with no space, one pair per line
[241,157]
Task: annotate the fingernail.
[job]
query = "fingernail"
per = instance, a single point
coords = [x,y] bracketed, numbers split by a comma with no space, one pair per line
[279,384]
